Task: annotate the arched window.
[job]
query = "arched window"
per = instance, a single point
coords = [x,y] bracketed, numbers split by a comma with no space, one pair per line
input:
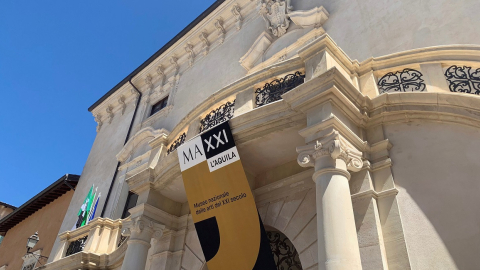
[284,253]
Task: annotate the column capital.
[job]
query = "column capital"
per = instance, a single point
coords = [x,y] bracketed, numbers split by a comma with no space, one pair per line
[333,145]
[142,228]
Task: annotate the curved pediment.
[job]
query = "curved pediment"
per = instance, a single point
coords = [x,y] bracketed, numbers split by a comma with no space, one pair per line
[138,138]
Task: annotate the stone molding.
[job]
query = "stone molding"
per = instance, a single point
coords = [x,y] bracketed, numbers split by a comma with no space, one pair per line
[82,231]
[128,148]
[315,17]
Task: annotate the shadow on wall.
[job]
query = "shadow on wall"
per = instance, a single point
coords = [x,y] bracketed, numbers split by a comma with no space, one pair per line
[435,168]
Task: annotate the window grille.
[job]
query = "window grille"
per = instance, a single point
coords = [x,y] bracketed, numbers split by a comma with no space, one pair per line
[407,80]
[76,246]
[217,116]
[284,253]
[463,79]
[273,90]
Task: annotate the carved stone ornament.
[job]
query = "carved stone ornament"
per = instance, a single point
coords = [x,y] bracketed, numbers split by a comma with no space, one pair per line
[238,16]
[148,81]
[176,66]
[204,37]
[191,53]
[137,226]
[275,14]
[109,111]
[334,146]
[220,30]
[121,101]
[136,95]
[98,119]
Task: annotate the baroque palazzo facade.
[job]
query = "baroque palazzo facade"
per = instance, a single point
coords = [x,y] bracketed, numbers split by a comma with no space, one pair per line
[354,164]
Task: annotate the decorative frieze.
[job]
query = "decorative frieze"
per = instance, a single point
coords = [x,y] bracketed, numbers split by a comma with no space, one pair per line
[191,53]
[206,44]
[238,16]
[463,79]
[110,113]
[98,119]
[273,90]
[121,101]
[220,30]
[217,116]
[407,80]
[161,73]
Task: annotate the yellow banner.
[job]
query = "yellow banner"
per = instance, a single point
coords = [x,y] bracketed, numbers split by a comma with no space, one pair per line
[226,219]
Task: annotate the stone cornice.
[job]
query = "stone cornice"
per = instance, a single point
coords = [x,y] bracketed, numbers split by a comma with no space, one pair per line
[203,34]
[446,53]
[137,138]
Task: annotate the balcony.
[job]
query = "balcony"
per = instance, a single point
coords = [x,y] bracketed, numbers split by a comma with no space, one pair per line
[97,244]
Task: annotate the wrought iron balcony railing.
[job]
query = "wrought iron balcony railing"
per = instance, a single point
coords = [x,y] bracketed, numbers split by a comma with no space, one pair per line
[273,90]
[217,116]
[179,141]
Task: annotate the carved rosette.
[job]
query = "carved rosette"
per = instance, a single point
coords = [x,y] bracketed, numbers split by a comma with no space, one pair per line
[336,148]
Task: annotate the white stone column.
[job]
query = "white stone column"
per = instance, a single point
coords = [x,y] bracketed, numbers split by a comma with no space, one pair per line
[332,157]
[141,230]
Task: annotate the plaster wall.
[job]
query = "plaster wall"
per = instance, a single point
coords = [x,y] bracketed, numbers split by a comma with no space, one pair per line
[374,28]
[99,168]
[435,167]
[46,221]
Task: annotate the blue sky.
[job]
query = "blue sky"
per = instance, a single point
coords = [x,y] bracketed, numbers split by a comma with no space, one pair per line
[56,59]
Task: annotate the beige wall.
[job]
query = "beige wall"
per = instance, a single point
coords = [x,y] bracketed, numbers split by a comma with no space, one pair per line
[436,169]
[4,211]
[46,221]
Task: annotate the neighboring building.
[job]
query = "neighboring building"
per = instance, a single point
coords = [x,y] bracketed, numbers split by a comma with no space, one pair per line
[44,214]
[5,209]
[391,139]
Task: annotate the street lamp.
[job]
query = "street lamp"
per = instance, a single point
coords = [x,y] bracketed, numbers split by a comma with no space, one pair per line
[32,241]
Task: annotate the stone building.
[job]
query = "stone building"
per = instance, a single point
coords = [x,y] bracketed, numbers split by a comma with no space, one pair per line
[42,215]
[357,122]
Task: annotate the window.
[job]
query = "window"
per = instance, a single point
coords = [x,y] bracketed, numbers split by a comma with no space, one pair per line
[159,105]
[131,202]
